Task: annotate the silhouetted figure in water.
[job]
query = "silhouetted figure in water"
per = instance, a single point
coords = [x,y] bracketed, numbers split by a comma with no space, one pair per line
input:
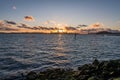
[75,36]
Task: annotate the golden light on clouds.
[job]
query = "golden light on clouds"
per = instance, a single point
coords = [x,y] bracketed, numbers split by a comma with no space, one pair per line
[61,31]
[97,25]
[29,18]
[13,27]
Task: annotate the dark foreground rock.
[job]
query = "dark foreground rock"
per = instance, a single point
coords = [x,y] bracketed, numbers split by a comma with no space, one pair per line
[104,70]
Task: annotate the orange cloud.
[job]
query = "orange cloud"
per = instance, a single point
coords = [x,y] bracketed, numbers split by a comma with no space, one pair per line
[29,18]
[1,22]
[97,25]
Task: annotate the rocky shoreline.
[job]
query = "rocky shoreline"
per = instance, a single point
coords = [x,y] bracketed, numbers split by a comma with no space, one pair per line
[98,70]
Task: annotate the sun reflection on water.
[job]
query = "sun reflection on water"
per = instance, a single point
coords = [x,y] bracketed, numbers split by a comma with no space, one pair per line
[60,57]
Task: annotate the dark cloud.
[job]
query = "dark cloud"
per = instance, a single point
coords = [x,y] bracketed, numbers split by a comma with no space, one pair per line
[6,25]
[70,28]
[94,30]
[83,25]
[7,29]
[29,18]
[10,22]
[35,28]
[24,26]
[43,28]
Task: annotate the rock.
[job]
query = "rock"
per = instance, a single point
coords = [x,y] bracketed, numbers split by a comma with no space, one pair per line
[95,62]
[105,70]
[31,75]
[116,78]
[83,77]
[93,78]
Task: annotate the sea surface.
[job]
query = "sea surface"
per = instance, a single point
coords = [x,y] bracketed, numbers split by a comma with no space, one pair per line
[25,52]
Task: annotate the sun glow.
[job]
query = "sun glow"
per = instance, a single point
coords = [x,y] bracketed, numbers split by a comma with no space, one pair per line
[61,30]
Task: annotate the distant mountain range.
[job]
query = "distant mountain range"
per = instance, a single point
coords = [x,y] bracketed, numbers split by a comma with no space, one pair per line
[108,33]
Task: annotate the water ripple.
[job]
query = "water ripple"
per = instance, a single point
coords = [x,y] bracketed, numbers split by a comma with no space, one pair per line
[22,52]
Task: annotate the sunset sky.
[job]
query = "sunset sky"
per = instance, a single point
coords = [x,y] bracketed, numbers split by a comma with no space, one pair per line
[63,12]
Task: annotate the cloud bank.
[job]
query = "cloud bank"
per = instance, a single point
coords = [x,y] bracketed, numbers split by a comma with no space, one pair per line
[13,27]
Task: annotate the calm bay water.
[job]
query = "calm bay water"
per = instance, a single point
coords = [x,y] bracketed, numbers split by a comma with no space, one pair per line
[24,52]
